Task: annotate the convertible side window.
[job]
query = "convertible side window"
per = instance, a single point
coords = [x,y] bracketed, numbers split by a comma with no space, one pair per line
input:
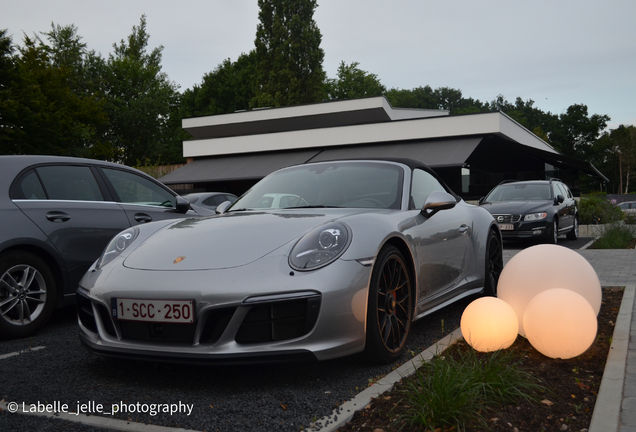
[134,189]
[422,185]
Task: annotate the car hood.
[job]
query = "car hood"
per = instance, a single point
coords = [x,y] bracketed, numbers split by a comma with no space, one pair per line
[517,207]
[226,241]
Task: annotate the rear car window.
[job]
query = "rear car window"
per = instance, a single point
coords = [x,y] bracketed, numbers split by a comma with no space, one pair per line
[59,182]
[30,187]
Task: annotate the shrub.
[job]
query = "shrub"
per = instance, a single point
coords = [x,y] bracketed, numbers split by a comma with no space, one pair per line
[616,236]
[451,391]
[596,209]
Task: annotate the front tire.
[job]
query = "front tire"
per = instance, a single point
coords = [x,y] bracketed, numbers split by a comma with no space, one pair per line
[389,308]
[494,263]
[27,294]
[574,234]
[553,236]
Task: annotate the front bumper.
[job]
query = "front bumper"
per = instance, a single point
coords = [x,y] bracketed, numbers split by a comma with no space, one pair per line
[526,230]
[257,313]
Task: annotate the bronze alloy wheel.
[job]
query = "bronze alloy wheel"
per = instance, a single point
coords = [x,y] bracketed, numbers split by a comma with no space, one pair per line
[390,308]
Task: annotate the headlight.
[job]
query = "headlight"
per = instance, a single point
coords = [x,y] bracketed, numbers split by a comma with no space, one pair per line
[535,216]
[320,247]
[117,245]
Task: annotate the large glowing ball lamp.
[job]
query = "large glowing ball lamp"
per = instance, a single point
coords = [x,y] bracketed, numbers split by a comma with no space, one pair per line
[543,267]
[489,324]
[560,323]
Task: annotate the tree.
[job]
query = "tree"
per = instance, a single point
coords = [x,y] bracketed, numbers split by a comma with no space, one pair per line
[443,98]
[47,111]
[626,137]
[615,151]
[353,82]
[576,131]
[288,54]
[227,89]
[420,97]
[140,101]
[526,114]
[8,106]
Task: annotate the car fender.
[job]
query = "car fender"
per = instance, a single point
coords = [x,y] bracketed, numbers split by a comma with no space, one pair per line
[371,231]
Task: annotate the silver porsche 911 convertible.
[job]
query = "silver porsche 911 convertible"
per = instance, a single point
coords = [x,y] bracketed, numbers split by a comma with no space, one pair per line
[315,261]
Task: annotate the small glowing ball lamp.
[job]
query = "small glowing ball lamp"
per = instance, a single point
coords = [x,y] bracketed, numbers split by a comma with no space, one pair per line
[543,267]
[489,324]
[560,323]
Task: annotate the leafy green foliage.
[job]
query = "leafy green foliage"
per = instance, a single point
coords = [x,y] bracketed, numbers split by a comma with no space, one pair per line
[227,89]
[288,54]
[616,236]
[45,108]
[576,131]
[353,82]
[140,100]
[615,154]
[597,209]
[443,98]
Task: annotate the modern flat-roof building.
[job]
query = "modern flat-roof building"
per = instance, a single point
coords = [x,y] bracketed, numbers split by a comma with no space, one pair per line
[472,153]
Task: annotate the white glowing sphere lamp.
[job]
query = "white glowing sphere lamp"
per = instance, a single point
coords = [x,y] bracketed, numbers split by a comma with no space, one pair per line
[543,267]
[489,324]
[560,323]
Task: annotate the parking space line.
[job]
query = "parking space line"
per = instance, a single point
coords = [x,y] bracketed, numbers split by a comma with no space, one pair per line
[4,356]
[97,421]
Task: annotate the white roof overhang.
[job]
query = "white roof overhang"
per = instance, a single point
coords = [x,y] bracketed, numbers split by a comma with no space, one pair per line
[495,123]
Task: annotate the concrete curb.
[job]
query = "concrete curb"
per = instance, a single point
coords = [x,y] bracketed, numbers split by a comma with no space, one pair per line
[345,412]
[606,416]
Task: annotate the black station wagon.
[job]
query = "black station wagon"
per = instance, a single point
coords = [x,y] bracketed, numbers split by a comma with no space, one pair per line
[535,209]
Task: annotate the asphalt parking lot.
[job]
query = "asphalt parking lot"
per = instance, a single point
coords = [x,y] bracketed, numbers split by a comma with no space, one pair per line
[281,397]
[52,368]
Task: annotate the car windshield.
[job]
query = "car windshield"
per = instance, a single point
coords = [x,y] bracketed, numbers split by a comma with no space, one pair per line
[333,184]
[519,192]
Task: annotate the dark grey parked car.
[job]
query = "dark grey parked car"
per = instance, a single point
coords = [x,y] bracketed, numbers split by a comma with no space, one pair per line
[533,209]
[57,214]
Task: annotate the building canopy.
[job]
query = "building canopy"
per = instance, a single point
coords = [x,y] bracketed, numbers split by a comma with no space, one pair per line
[249,145]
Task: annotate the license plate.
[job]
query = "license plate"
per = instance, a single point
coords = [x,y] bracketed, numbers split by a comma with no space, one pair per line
[506,227]
[174,311]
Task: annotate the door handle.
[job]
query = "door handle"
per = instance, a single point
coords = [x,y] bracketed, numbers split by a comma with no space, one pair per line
[57,216]
[142,218]
[463,230]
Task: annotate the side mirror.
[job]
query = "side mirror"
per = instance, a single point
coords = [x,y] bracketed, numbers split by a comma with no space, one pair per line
[559,199]
[437,201]
[183,205]
[222,208]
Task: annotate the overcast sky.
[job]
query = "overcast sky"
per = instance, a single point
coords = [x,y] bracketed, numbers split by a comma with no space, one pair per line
[555,52]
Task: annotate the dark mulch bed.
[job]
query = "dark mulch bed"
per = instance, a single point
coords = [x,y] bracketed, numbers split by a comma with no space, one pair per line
[572,387]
